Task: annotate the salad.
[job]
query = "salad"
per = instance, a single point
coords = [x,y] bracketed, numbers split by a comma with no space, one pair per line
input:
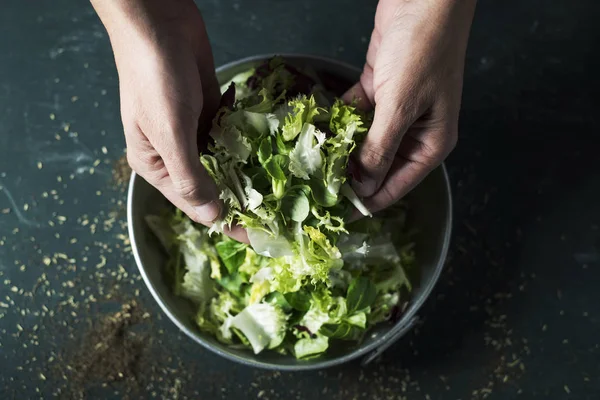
[280,157]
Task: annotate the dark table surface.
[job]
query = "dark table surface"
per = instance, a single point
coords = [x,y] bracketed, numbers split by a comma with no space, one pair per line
[516,313]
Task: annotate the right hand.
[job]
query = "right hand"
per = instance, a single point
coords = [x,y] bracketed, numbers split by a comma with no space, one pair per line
[168,90]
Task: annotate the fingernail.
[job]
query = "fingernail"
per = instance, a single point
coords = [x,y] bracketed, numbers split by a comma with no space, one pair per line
[208,212]
[364,188]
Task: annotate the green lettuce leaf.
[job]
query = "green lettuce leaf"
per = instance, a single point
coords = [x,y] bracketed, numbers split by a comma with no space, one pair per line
[361,294]
[278,156]
[304,111]
[264,325]
[232,253]
[309,347]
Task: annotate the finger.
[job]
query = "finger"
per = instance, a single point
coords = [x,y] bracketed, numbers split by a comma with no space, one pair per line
[238,233]
[364,90]
[190,180]
[211,92]
[422,150]
[392,118]
[357,93]
[173,142]
[235,232]
[146,162]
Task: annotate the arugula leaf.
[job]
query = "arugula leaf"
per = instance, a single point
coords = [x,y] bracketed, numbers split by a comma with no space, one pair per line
[279,300]
[232,253]
[234,283]
[299,300]
[361,294]
[265,150]
[275,166]
[342,330]
[320,194]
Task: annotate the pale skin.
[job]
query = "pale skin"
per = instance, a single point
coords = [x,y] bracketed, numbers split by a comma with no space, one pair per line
[412,78]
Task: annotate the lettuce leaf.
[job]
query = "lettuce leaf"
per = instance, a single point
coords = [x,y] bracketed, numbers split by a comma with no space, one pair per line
[310,347]
[280,158]
[263,324]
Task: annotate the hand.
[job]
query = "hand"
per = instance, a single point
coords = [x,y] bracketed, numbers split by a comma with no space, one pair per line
[413,78]
[168,90]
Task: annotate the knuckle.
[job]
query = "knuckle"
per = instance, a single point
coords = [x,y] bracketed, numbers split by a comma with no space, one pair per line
[435,152]
[134,163]
[186,188]
[375,158]
[150,166]
[388,196]
[432,154]
[452,139]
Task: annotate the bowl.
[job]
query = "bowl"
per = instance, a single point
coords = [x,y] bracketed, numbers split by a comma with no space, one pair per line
[430,210]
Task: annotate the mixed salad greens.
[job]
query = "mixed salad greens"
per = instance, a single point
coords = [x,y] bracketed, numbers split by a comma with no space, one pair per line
[280,158]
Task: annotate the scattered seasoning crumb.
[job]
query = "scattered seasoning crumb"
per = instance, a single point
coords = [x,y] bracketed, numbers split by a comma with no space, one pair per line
[102,262]
[104,150]
[121,173]
[52,116]
[567,389]
[112,351]
[40,165]
[544,328]
[74,99]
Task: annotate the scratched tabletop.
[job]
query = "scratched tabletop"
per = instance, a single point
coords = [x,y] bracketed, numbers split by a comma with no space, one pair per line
[515,316]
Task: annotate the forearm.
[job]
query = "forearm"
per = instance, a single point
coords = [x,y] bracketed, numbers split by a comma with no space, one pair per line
[147,22]
[144,15]
[439,12]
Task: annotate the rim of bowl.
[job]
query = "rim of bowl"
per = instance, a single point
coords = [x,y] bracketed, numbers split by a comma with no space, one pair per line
[361,351]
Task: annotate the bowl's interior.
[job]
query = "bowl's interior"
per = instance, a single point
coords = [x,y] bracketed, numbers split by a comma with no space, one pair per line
[430,212]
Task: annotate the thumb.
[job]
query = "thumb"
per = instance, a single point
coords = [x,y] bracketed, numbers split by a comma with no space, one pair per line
[394,114]
[191,181]
[358,94]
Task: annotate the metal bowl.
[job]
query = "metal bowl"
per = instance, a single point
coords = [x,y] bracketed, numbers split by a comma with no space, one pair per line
[430,211]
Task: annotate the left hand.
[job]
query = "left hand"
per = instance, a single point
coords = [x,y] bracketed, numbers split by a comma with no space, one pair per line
[413,78]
